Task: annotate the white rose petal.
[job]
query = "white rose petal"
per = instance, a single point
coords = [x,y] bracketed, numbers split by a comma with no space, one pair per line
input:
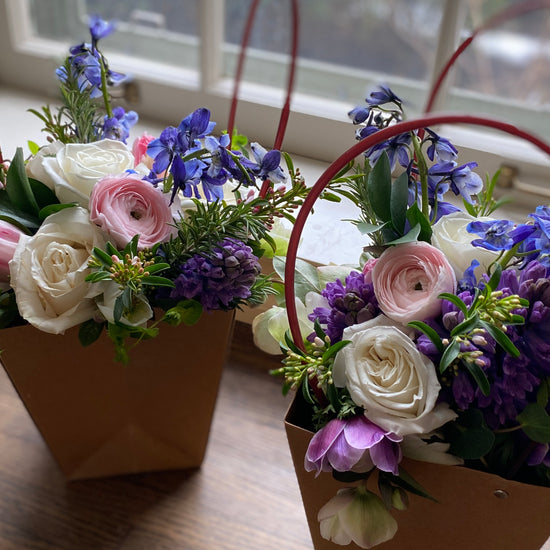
[48,271]
[394,382]
[451,237]
[77,167]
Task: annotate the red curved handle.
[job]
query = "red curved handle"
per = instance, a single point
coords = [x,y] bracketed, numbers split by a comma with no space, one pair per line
[348,156]
[504,15]
[285,112]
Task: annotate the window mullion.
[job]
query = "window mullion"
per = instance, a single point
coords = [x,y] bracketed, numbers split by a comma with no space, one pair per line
[211,29]
[452,22]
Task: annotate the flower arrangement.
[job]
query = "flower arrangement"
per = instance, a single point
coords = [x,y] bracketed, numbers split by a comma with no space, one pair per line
[102,235]
[434,346]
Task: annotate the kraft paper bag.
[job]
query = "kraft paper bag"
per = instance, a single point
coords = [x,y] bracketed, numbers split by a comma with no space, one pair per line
[102,418]
[475,510]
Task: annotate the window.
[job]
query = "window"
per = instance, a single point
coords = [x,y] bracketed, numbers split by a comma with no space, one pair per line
[183,55]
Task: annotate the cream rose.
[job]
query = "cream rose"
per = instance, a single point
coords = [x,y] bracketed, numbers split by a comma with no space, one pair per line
[76,167]
[452,238]
[48,271]
[408,278]
[386,375]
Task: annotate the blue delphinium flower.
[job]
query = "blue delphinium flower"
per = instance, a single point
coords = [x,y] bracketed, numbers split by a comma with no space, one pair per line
[220,280]
[187,177]
[498,234]
[397,149]
[268,163]
[440,148]
[164,148]
[349,304]
[118,126]
[382,95]
[359,115]
[99,28]
[195,126]
[465,182]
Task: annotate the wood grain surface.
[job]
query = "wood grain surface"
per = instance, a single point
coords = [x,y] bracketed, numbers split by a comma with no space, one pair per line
[244,497]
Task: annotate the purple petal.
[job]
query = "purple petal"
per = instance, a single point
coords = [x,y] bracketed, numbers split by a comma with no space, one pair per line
[386,456]
[321,442]
[361,433]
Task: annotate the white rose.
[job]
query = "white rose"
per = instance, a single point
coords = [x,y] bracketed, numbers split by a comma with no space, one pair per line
[451,237]
[386,375]
[35,165]
[48,271]
[76,168]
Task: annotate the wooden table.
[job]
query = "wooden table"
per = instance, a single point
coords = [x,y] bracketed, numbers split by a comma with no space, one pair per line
[245,496]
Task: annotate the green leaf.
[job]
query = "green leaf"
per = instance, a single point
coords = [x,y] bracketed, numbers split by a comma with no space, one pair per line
[89,332]
[466,326]
[429,332]
[543,393]
[379,188]
[411,236]
[306,392]
[185,311]
[415,216]
[495,277]
[398,203]
[407,482]
[479,376]
[103,257]
[42,193]
[503,341]
[535,422]
[334,349]
[52,209]
[368,228]
[469,436]
[154,268]
[33,147]
[97,276]
[118,309]
[449,355]
[306,278]
[153,280]
[454,299]
[18,186]
[28,223]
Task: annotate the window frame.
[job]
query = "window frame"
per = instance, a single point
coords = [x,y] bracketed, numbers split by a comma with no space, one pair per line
[315,124]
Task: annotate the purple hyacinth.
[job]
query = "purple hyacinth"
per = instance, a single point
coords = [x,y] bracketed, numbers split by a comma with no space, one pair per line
[220,280]
[354,443]
[349,304]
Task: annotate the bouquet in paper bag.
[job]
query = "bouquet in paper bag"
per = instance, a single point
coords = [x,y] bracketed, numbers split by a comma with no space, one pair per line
[434,346]
[103,235]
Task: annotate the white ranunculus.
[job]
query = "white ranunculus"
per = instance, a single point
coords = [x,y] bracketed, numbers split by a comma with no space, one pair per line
[451,237]
[385,374]
[141,311]
[48,271]
[77,167]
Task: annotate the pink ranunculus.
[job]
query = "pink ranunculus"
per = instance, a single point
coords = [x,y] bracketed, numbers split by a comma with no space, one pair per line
[125,206]
[408,278]
[139,150]
[9,237]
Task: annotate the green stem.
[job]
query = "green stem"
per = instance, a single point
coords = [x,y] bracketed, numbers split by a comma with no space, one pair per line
[106,99]
[423,173]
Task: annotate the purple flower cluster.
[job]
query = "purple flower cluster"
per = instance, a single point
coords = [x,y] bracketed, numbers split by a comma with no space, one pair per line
[513,380]
[349,304]
[220,280]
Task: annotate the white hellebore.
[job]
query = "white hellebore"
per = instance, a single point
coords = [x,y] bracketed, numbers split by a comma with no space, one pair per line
[385,374]
[452,238]
[356,515]
[76,167]
[48,271]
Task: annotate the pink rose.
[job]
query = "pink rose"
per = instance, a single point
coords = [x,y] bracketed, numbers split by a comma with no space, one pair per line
[139,150]
[408,278]
[125,205]
[367,269]
[9,237]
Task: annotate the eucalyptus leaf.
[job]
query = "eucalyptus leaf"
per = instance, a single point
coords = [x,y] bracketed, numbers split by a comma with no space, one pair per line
[306,278]
[415,216]
[535,422]
[411,236]
[469,436]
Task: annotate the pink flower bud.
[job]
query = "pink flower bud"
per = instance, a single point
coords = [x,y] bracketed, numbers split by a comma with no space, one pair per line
[139,150]
[9,237]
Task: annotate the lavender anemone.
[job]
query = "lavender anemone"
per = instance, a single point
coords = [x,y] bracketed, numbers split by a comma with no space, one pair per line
[349,304]
[220,280]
